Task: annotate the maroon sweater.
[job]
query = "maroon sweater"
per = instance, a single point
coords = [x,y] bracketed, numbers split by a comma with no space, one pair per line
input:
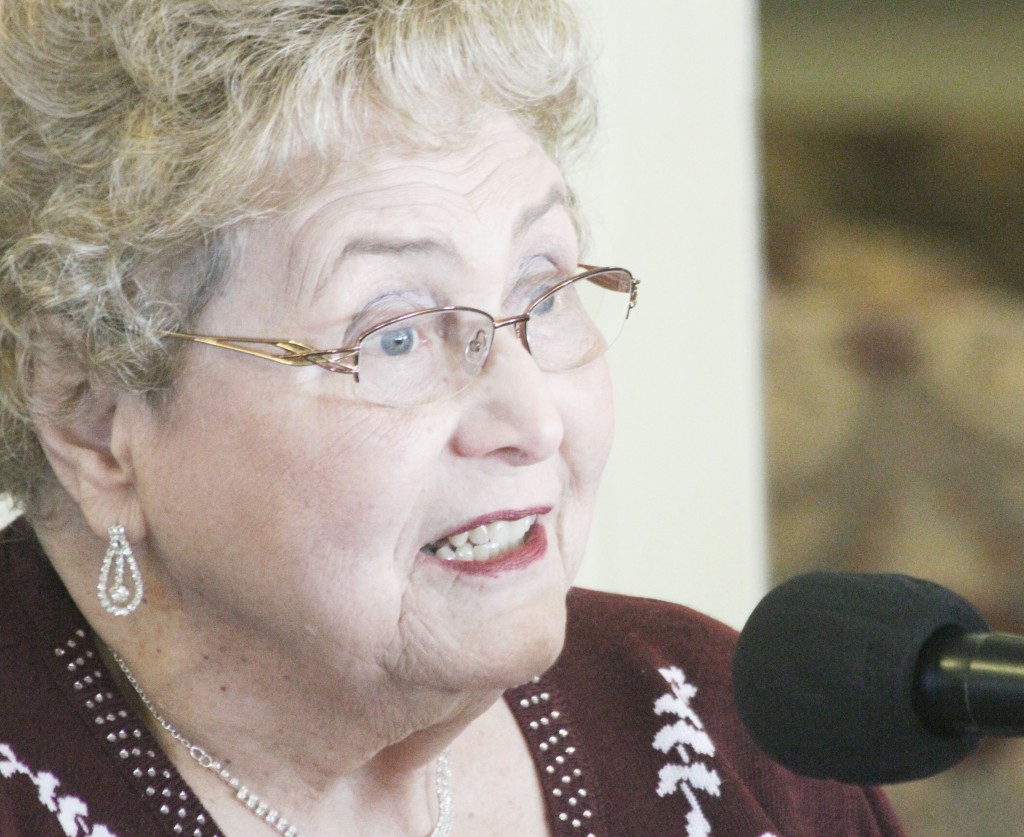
[633,731]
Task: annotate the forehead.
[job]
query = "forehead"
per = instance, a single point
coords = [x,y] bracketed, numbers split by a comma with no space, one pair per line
[485,203]
[491,174]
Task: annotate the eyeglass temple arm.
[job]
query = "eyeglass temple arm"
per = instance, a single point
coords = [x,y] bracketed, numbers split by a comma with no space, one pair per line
[295,353]
[610,284]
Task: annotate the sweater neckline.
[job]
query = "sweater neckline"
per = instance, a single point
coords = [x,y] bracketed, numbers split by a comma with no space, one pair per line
[537,706]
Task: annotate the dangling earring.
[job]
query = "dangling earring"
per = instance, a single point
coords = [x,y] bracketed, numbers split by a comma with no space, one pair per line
[121,594]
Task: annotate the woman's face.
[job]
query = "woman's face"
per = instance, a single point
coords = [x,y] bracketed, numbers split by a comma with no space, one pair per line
[280,506]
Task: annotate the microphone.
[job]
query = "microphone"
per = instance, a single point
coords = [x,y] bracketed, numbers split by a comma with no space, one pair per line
[873,678]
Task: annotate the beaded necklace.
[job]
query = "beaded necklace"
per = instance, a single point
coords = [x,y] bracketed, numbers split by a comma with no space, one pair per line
[259,806]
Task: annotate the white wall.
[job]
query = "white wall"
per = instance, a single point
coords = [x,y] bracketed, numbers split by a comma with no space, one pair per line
[670,192]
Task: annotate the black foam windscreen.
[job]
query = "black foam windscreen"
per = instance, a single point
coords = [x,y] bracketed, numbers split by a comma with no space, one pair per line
[824,675]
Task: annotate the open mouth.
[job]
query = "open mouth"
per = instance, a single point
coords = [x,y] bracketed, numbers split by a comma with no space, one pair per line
[484,543]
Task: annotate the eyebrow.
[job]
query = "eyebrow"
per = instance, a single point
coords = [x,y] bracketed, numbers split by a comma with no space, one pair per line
[375,245]
[531,215]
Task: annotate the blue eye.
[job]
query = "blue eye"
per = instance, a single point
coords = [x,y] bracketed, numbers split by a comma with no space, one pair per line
[545,306]
[397,341]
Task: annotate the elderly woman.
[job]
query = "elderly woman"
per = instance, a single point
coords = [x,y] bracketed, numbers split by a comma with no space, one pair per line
[303,401]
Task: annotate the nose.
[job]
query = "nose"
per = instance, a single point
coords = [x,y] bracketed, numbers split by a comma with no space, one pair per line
[510,411]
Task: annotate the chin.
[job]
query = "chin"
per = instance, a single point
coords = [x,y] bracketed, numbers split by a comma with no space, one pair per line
[529,643]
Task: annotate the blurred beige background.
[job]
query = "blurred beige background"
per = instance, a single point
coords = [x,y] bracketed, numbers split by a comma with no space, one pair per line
[893,149]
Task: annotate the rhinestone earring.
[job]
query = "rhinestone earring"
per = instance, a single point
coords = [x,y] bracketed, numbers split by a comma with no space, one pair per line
[120,595]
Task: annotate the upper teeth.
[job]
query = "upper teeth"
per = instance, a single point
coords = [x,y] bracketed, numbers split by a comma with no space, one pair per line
[485,542]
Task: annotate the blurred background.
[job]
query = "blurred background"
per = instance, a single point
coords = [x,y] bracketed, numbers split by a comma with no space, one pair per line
[892,137]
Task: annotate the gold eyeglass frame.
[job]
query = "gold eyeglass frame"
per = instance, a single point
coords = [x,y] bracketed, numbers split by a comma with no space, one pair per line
[297,353]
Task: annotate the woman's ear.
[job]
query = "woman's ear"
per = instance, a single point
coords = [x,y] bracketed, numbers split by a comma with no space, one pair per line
[85,429]
[90,454]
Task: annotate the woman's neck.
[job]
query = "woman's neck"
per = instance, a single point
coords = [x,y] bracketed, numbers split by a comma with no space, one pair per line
[294,761]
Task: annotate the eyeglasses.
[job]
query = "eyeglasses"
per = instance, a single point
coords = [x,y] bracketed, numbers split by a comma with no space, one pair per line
[428,355]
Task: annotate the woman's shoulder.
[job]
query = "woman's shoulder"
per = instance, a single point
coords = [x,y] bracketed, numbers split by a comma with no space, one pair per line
[73,755]
[646,691]
[647,633]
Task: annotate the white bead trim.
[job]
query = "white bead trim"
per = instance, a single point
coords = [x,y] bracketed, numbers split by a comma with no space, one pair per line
[124,734]
[558,758]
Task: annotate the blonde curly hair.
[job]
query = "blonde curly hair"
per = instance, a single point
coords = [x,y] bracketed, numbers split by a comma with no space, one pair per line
[135,135]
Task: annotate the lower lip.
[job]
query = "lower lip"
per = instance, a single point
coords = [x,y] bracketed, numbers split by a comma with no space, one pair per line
[534,547]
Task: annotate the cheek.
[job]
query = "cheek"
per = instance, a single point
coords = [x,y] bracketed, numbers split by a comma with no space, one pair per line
[589,418]
[352,476]
[276,474]
[589,414]
[308,516]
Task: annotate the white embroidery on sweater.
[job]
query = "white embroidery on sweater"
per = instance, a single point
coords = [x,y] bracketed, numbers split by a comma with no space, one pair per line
[72,813]
[685,735]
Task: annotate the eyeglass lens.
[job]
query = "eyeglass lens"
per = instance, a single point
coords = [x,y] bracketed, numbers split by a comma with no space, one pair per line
[578,322]
[436,354]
